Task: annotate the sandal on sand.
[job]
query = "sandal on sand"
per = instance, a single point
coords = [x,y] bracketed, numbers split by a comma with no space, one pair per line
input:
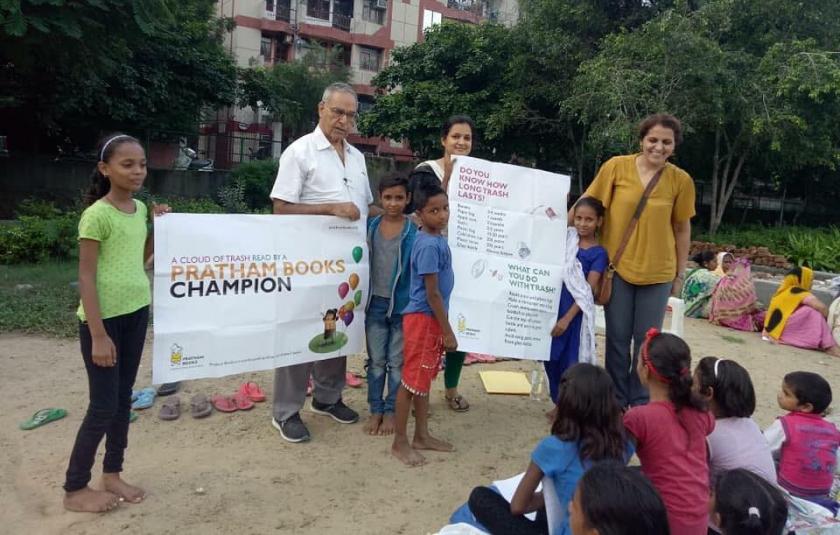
[200,406]
[252,391]
[43,416]
[143,399]
[351,380]
[171,409]
[458,403]
[223,403]
[242,402]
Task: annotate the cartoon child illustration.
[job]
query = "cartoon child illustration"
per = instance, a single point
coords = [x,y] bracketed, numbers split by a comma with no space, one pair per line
[329,326]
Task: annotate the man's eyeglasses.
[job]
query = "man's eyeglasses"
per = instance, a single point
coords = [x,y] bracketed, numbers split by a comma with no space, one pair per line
[339,113]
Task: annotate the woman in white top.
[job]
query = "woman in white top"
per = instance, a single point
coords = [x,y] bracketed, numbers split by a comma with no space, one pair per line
[456,137]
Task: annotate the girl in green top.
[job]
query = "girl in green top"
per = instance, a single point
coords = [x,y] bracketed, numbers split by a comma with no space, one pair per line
[114,315]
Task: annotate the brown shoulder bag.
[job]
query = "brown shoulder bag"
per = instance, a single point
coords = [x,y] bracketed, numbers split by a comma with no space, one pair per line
[605,291]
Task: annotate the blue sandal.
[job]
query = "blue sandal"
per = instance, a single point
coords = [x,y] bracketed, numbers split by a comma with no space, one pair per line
[143,399]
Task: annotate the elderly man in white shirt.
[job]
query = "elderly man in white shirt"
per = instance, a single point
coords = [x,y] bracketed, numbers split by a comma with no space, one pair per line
[320,174]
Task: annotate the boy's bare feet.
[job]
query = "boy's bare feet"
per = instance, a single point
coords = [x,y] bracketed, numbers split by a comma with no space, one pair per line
[388,424]
[403,451]
[87,500]
[113,483]
[373,424]
[431,443]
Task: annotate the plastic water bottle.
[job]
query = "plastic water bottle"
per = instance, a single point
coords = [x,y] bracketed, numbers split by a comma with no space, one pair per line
[537,380]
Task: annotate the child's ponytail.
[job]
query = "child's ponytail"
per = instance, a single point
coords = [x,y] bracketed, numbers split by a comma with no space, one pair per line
[99,183]
[749,505]
[668,359]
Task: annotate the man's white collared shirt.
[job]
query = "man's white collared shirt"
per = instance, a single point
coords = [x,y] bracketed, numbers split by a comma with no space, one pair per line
[311,172]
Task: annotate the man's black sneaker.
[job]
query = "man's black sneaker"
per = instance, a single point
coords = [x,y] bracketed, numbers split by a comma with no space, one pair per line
[292,429]
[339,411]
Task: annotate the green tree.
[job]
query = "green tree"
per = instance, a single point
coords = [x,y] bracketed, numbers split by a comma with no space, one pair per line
[735,103]
[291,91]
[458,69]
[78,67]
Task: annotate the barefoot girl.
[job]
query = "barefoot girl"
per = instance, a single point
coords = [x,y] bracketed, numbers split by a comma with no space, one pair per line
[113,314]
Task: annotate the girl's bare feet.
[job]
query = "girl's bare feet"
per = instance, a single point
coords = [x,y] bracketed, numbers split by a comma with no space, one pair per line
[87,500]
[403,451]
[373,424]
[388,424]
[429,442]
[113,483]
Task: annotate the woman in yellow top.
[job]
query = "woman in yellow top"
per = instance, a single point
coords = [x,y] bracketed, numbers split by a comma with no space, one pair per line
[651,268]
[796,317]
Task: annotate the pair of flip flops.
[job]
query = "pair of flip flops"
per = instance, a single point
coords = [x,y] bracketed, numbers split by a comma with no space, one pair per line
[42,417]
[242,400]
[199,407]
[143,399]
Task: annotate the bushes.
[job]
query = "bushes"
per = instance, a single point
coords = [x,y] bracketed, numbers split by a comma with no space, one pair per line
[817,248]
[36,239]
[256,179]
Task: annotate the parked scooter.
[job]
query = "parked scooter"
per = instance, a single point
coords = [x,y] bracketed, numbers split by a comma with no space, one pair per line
[188,160]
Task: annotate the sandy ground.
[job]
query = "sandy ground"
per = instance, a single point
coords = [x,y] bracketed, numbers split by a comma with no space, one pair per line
[342,482]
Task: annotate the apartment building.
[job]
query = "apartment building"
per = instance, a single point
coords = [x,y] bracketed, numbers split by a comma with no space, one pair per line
[272,31]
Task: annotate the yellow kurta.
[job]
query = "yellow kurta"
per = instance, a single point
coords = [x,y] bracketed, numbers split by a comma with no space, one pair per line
[651,254]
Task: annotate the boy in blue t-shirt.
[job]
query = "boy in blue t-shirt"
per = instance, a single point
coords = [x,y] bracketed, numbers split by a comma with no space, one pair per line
[426,329]
[390,240]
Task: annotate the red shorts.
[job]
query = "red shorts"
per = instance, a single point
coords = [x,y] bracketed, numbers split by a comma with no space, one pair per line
[422,352]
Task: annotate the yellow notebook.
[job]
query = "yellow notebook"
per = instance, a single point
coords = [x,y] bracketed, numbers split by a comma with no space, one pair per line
[499,382]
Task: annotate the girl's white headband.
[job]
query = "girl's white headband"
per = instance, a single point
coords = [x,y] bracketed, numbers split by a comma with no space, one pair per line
[105,146]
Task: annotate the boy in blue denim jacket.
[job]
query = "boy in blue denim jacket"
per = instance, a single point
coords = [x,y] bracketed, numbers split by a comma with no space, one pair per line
[390,238]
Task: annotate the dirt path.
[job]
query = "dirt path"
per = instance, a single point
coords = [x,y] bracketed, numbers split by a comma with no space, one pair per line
[341,482]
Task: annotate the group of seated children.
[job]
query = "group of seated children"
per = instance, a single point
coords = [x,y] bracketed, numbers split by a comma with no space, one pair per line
[707,462]
[721,289]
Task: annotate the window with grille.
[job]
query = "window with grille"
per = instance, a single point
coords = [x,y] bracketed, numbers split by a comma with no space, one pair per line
[371,13]
[319,9]
[370,59]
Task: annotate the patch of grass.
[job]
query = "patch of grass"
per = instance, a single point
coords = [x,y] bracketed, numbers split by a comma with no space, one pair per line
[49,307]
[732,339]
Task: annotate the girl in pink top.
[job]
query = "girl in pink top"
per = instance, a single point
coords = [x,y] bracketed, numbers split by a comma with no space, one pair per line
[670,432]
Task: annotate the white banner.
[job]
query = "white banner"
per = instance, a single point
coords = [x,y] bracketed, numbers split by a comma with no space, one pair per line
[507,232]
[239,293]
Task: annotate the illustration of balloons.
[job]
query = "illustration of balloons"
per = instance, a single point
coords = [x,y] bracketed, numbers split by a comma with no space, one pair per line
[347,318]
[349,306]
[357,297]
[357,254]
[354,281]
[343,289]
[342,311]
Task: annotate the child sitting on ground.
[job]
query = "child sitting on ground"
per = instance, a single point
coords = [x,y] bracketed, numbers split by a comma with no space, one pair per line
[744,503]
[670,432]
[805,443]
[737,441]
[390,238]
[426,328]
[587,429]
[613,499]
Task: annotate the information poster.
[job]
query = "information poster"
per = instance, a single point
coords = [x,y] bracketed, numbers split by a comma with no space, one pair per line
[239,293]
[507,232]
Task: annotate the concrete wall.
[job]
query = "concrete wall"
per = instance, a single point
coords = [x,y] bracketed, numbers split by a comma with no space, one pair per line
[64,182]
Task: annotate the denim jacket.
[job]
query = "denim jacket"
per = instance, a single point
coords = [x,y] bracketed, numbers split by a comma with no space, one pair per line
[400,278]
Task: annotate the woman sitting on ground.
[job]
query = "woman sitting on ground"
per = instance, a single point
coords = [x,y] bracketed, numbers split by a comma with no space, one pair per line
[699,285]
[796,317]
[734,303]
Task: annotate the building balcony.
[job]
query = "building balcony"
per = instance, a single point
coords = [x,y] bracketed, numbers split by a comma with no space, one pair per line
[342,21]
[278,10]
[478,7]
